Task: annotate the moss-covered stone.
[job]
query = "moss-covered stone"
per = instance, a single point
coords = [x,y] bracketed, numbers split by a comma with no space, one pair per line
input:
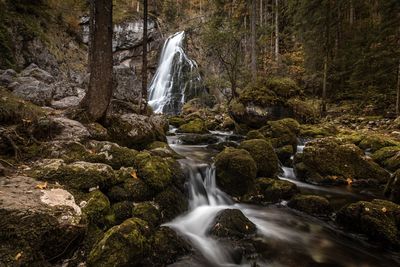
[157,144]
[378,219]
[122,211]
[329,161]
[198,139]
[97,206]
[310,204]
[267,190]
[254,134]
[232,223]
[171,203]
[97,131]
[154,171]
[388,157]
[176,121]
[147,212]
[392,189]
[236,171]
[376,142]
[123,245]
[196,126]
[317,131]
[285,153]
[305,111]
[264,155]
[130,190]
[281,133]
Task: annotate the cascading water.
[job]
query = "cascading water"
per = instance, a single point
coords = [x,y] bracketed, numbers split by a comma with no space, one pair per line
[176,80]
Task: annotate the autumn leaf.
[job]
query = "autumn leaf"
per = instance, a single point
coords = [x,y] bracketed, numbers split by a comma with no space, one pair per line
[41,186]
[134,175]
[349,181]
[384,209]
[366,209]
[18,256]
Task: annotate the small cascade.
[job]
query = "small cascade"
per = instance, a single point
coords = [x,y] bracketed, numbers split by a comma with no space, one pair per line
[176,80]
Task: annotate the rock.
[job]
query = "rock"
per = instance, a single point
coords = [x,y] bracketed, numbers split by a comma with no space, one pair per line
[166,248]
[284,154]
[282,132]
[312,205]
[32,90]
[388,157]
[128,85]
[130,190]
[235,171]
[264,155]
[171,203]
[41,75]
[254,134]
[378,219]
[392,189]
[71,130]
[97,131]
[222,145]
[376,142]
[305,111]
[7,77]
[232,223]
[123,245]
[134,131]
[39,224]
[97,208]
[270,191]
[122,211]
[328,161]
[198,139]
[196,126]
[148,212]
[67,102]
[176,121]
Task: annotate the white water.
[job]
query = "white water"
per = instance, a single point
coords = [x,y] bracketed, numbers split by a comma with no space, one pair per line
[167,75]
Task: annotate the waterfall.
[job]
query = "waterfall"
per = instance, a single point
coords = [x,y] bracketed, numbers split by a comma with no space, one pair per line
[176,80]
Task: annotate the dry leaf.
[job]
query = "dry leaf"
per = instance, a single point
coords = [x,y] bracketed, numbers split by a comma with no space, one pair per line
[384,209]
[366,209]
[18,256]
[41,186]
[349,181]
[134,175]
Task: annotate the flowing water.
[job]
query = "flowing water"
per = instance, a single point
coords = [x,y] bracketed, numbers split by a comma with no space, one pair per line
[176,79]
[284,238]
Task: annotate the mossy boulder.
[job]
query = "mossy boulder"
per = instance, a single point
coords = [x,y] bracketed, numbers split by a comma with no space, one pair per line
[232,223]
[388,157]
[328,161]
[123,245]
[264,155]
[97,131]
[282,132]
[130,190]
[311,204]
[317,131]
[376,142]
[176,121]
[96,208]
[306,111]
[284,154]
[198,139]
[267,190]
[166,248]
[148,212]
[236,171]
[378,219]
[196,126]
[254,134]
[154,171]
[392,189]
[122,211]
[171,202]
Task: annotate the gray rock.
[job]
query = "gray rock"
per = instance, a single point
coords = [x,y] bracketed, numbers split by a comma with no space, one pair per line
[7,77]
[67,102]
[71,130]
[34,91]
[34,71]
[127,86]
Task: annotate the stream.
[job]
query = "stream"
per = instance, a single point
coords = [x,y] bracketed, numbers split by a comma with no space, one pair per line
[285,237]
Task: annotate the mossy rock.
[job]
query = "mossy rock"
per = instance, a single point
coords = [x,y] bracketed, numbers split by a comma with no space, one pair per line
[392,189]
[388,157]
[236,171]
[376,142]
[282,132]
[154,171]
[122,211]
[378,219]
[232,223]
[96,208]
[306,111]
[283,86]
[123,245]
[176,121]
[267,190]
[148,212]
[258,94]
[171,203]
[312,205]
[254,134]
[198,139]
[264,155]
[157,144]
[285,153]
[329,161]
[196,126]
[130,190]
[317,131]
[97,131]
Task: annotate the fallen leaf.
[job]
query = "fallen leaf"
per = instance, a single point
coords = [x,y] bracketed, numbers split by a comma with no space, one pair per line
[41,186]
[384,209]
[134,175]
[247,227]
[18,256]
[349,181]
[366,209]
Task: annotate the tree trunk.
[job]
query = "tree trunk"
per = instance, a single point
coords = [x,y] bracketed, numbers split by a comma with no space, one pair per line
[398,93]
[98,97]
[253,39]
[351,19]
[324,85]
[143,95]
[277,31]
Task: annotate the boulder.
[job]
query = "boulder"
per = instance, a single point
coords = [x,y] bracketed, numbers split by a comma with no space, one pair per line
[128,86]
[7,77]
[375,142]
[196,126]
[388,157]
[312,205]
[232,223]
[267,190]
[264,155]
[123,245]
[392,189]
[32,90]
[39,222]
[35,72]
[328,161]
[130,190]
[176,121]
[198,139]
[282,132]
[378,219]
[171,202]
[122,211]
[148,212]
[236,171]
[96,208]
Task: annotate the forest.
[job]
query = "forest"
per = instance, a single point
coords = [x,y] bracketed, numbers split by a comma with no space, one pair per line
[217,133]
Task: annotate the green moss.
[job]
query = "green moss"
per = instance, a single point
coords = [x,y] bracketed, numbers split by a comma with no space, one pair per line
[176,121]
[376,142]
[281,132]
[258,95]
[122,211]
[264,155]
[283,86]
[254,134]
[232,223]
[96,208]
[172,203]
[388,157]
[310,204]
[274,190]
[157,144]
[196,126]
[235,171]
[306,111]
[317,131]
[147,212]
[285,153]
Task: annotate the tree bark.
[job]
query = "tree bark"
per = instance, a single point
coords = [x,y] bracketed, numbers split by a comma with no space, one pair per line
[277,31]
[143,96]
[324,85]
[398,93]
[98,97]
[253,39]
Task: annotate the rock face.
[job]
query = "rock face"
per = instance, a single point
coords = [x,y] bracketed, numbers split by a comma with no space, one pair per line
[328,161]
[235,171]
[378,219]
[36,223]
[232,223]
[263,154]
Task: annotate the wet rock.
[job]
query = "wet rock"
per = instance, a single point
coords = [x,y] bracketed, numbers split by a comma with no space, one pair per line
[123,245]
[264,155]
[41,225]
[284,154]
[134,131]
[172,203]
[392,189]
[378,219]
[310,204]
[267,190]
[148,212]
[232,223]
[235,171]
[166,248]
[388,157]
[222,145]
[198,139]
[196,126]
[328,161]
